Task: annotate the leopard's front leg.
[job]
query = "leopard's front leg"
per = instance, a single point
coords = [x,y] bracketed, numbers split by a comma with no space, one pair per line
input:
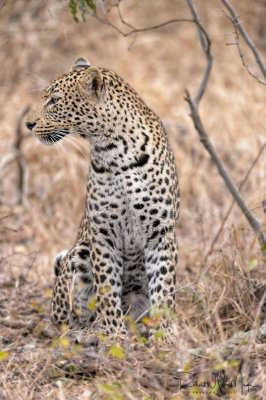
[73,287]
[61,303]
[160,263]
[83,279]
[74,282]
[107,268]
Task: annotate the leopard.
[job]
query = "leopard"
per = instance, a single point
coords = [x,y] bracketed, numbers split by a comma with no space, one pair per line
[124,260]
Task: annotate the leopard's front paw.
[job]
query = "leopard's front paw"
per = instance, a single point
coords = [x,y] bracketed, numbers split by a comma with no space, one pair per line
[57,261]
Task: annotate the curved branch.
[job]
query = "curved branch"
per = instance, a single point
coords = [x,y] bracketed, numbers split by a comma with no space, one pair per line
[239,28]
[233,202]
[106,21]
[253,221]
[245,36]
[206,47]
[193,104]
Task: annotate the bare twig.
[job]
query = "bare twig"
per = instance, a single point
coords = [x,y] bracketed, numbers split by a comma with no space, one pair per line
[43,329]
[18,324]
[133,30]
[239,47]
[258,312]
[106,21]
[18,156]
[193,104]
[244,62]
[253,221]
[22,176]
[233,343]
[239,27]
[206,46]
[233,202]
[127,24]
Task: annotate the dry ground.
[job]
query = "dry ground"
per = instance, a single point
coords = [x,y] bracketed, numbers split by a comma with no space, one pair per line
[40,40]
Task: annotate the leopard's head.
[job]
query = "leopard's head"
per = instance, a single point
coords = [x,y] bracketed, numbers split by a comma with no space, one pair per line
[72,103]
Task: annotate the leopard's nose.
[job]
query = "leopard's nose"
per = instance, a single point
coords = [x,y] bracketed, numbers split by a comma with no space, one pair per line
[30,125]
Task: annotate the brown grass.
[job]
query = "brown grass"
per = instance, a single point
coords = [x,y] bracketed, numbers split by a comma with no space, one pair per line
[39,40]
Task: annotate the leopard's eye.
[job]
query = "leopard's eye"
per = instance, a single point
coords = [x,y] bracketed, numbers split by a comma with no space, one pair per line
[52,101]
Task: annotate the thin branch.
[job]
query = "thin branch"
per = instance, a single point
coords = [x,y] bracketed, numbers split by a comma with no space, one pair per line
[22,170]
[106,21]
[122,18]
[134,30]
[239,28]
[239,48]
[253,221]
[258,312]
[204,38]
[233,202]
[242,57]
[18,156]
[18,324]
[193,104]
[233,342]
[206,46]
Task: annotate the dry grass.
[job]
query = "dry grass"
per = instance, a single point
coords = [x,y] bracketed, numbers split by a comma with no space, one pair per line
[39,40]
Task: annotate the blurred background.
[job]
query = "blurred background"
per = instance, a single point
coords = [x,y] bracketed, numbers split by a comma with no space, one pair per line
[42,189]
[40,41]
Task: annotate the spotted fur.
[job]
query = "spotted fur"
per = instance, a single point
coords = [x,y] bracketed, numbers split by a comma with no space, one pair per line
[125,255]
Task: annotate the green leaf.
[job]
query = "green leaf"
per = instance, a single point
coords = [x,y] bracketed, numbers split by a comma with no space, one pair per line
[253,263]
[55,343]
[77,347]
[117,352]
[234,363]
[215,389]
[82,9]
[143,340]
[263,248]
[64,342]
[90,3]
[162,355]
[226,364]
[221,365]
[117,396]
[109,389]
[159,334]
[81,4]
[195,392]
[73,8]
[92,305]
[187,367]
[3,355]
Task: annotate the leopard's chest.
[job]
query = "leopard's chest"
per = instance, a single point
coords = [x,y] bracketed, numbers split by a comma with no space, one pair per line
[129,206]
[121,204]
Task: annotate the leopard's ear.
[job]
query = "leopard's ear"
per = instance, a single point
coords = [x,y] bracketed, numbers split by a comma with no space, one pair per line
[80,63]
[92,82]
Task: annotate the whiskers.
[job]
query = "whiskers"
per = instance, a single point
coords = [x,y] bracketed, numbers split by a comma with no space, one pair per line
[69,137]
